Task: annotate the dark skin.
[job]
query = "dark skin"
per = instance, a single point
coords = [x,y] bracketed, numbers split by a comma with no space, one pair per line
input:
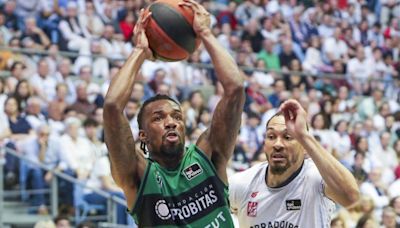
[163,125]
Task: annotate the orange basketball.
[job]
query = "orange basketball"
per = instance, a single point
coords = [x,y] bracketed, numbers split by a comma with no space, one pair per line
[170,32]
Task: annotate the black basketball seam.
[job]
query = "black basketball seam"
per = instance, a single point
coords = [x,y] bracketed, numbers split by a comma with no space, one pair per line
[182,34]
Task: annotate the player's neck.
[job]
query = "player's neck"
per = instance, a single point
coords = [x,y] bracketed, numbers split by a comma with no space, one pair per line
[280,180]
[169,162]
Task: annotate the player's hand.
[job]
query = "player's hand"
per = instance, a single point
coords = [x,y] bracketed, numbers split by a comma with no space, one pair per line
[295,118]
[201,20]
[139,35]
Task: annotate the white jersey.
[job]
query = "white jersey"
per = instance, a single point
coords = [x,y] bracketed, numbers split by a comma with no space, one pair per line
[301,203]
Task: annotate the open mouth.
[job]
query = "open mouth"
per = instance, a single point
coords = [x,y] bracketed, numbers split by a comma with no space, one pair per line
[278,157]
[172,136]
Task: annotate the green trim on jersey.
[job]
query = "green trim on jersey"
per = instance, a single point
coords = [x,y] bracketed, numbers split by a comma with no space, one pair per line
[192,195]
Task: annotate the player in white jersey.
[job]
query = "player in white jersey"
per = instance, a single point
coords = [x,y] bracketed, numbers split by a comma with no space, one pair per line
[290,190]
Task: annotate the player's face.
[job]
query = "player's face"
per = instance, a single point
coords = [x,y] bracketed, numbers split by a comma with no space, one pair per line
[282,150]
[164,129]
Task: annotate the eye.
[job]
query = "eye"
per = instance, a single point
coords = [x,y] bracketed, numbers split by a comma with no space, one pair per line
[178,117]
[157,118]
[271,137]
[288,137]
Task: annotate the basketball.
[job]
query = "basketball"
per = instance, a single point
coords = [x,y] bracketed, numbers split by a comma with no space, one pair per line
[169,30]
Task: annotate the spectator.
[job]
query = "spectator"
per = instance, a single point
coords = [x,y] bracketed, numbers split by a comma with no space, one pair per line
[17,74]
[113,47]
[13,22]
[253,34]
[247,11]
[287,55]
[100,178]
[62,221]
[23,91]
[57,107]
[395,204]
[75,35]
[77,149]
[334,48]
[388,218]
[82,105]
[46,151]
[367,221]
[5,33]
[131,111]
[251,135]
[376,189]
[359,72]
[313,62]
[127,24]
[268,30]
[36,34]
[90,20]
[34,114]
[63,75]
[271,59]
[43,84]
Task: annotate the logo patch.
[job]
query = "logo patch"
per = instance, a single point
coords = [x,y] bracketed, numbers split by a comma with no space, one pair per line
[293,205]
[192,171]
[159,179]
[162,210]
[254,194]
[252,209]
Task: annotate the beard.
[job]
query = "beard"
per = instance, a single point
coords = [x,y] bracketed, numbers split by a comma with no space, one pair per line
[281,168]
[173,150]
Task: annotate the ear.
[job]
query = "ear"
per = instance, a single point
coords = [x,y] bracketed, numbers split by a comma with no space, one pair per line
[142,136]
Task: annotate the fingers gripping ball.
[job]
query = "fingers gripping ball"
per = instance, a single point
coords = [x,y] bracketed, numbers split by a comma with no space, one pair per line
[170,32]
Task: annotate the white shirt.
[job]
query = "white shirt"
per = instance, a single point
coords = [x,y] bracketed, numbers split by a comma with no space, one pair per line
[300,203]
[337,48]
[100,169]
[46,85]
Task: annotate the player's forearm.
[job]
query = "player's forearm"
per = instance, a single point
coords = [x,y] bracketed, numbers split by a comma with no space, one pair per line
[122,84]
[335,175]
[225,66]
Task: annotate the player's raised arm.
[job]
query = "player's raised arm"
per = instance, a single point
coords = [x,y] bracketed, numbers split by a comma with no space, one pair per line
[219,140]
[341,185]
[127,164]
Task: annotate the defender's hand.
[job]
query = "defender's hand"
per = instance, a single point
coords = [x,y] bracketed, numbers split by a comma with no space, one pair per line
[295,118]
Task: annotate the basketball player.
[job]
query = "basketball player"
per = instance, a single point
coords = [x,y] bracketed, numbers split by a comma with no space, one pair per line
[291,190]
[176,186]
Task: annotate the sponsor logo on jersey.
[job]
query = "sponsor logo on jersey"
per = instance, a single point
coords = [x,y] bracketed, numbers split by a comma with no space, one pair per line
[293,205]
[162,210]
[194,204]
[275,224]
[252,209]
[192,171]
[254,194]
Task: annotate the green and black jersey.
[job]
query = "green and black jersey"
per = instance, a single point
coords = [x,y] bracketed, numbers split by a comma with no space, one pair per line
[190,196]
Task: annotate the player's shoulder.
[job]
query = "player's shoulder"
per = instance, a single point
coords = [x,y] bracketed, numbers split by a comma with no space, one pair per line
[247,176]
[309,166]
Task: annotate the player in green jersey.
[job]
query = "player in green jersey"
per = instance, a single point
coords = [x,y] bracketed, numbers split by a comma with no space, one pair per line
[175,186]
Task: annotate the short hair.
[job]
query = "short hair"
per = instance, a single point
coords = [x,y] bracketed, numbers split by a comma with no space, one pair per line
[275,115]
[60,218]
[157,97]
[279,113]
[90,122]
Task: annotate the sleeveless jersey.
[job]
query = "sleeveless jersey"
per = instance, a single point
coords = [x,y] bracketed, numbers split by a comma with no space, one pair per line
[299,204]
[190,196]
